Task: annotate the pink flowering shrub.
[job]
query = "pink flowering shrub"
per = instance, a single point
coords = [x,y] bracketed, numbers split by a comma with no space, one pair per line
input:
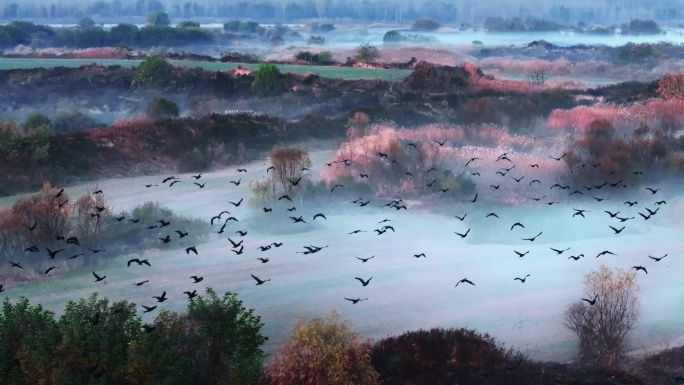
[97,53]
[654,112]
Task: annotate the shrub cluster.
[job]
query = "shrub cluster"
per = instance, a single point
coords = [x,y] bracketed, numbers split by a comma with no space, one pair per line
[89,218]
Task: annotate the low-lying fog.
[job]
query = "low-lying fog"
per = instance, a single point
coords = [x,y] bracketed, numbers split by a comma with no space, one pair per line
[405,292]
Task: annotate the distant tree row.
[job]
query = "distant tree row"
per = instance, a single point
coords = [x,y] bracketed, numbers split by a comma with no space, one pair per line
[605,11]
[156,32]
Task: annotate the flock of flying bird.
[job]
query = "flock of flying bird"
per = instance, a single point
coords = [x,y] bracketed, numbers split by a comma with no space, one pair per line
[238,247]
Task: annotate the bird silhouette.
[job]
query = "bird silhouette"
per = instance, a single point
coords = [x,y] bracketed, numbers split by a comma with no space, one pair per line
[139,262]
[241,233]
[419,255]
[97,192]
[168,179]
[196,176]
[259,281]
[517,224]
[160,298]
[364,260]
[292,209]
[559,251]
[95,251]
[241,170]
[653,191]
[464,280]
[661,203]
[561,157]
[148,309]
[631,203]
[240,251]
[616,230]
[518,180]
[657,259]
[462,235]
[263,260]
[637,268]
[533,238]
[277,244]
[235,245]
[604,253]
[591,302]
[298,219]
[295,182]
[75,256]
[49,269]
[461,218]
[520,255]
[32,249]
[174,182]
[440,143]
[472,160]
[191,294]
[576,258]
[355,301]
[141,283]
[474,199]
[148,328]
[521,279]
[166,239]
[191,248]
[201,185]
[53,254]
[319,215]
[98,278]
[285,197]
[197,279]
[612,215]
[236,183]
[181,234]
[495,187]
[238,202]
[363,282]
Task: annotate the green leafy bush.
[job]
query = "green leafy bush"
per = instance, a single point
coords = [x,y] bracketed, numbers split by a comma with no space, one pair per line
[36,121]
[367,53]
[188,24]
[153,72]
[268,81]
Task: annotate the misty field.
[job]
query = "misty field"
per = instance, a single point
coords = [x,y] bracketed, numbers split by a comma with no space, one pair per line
[330,72]
[406,293]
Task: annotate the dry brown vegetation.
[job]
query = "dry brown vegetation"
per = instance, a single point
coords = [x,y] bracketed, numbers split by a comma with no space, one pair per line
[322,351]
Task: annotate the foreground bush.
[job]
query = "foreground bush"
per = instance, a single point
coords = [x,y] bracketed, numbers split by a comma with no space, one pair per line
[217,341]
[322,351]
[444,356]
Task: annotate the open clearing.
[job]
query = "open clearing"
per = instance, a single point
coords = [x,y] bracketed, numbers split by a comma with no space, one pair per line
[406,293]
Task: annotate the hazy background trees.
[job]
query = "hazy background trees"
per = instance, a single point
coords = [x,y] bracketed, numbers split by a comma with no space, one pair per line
[401,11]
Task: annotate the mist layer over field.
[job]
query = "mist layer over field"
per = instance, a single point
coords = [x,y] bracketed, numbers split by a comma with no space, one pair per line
[405,293]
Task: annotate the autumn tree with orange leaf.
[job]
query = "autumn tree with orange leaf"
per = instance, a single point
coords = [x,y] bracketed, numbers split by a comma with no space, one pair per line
[322,351]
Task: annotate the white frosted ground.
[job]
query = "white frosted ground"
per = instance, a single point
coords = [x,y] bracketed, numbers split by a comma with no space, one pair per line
[405,293]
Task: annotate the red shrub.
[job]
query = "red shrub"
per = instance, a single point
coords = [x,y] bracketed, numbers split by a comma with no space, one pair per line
[672,86]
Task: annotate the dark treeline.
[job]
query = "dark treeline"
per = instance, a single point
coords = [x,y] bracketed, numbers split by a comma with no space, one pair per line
[129,35]
[470,11]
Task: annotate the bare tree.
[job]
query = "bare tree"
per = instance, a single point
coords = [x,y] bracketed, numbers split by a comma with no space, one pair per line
[537,77]
[602,328]
[288,163]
